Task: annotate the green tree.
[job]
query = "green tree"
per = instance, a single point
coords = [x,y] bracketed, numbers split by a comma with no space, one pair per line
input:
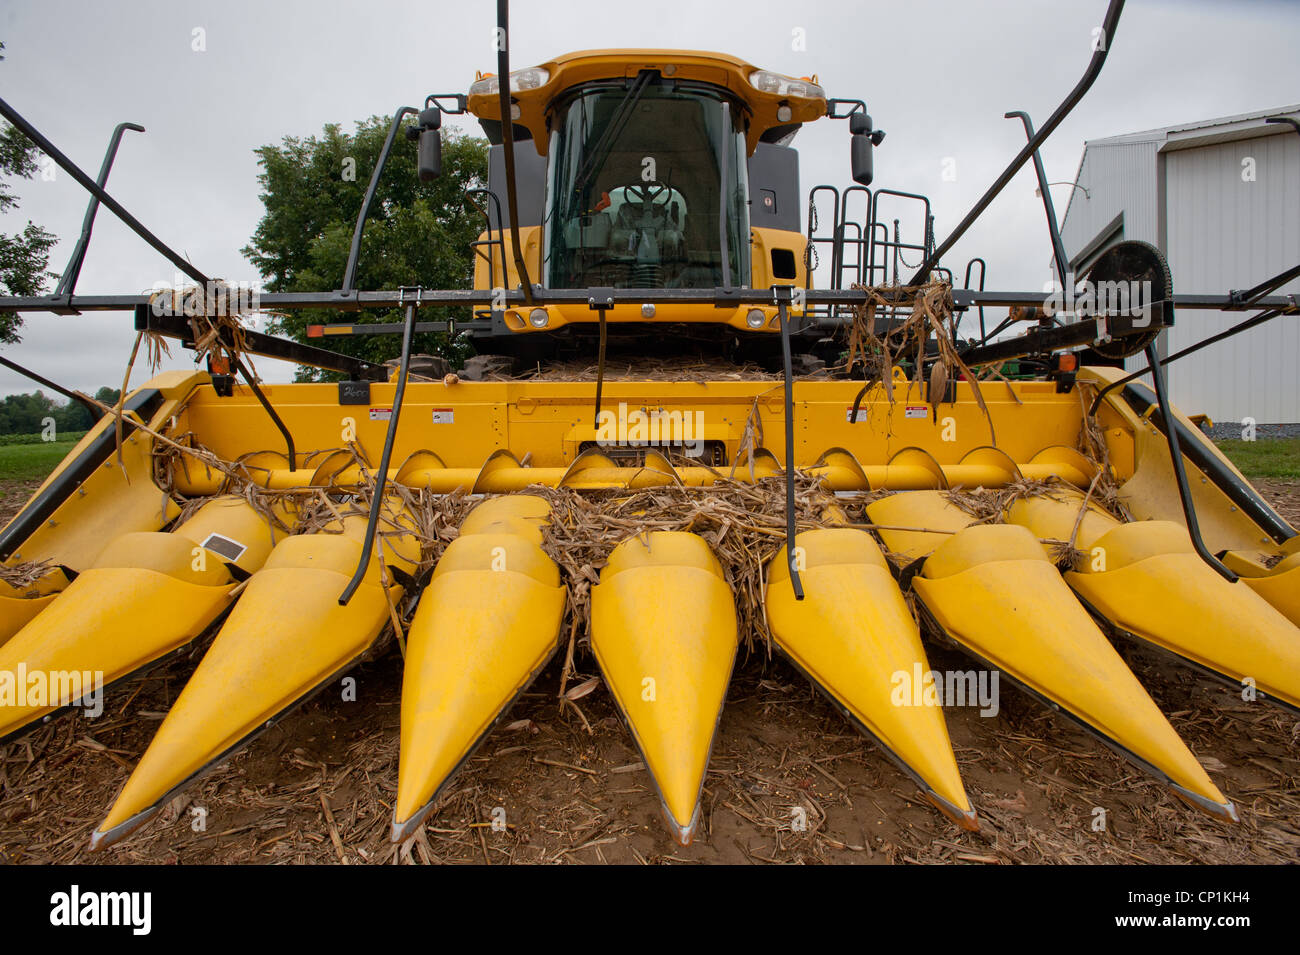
[26,413]
[24,256]
[416,234]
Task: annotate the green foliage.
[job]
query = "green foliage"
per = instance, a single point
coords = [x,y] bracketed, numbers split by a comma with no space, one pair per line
[1265,458]
[416,234]
[61,437]
[32,462]
[24,256]
[29,414]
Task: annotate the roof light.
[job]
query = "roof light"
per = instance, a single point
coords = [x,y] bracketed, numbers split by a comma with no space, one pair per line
[766,82]
[529,79]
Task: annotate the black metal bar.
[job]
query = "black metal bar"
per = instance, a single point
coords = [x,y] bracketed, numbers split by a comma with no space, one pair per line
[257,343]
[71,168]
[984,268]
[600,369]
[449,298]
[1201,453]
[810,253]
[1180,473]
[864,239]
[354,253]
[493,203]
[42,380]
[68,280]
[723,151]
[1249,297]
[1040,340]
[1053,227]
[381,478]
[271,412]
[1248,324]
[508,138]
[1095,64]
[782,294]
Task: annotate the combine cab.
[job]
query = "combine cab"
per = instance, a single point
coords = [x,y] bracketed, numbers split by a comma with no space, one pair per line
[651,346]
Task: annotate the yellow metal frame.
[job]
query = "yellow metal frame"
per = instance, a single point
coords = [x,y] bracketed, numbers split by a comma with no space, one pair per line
[572,69]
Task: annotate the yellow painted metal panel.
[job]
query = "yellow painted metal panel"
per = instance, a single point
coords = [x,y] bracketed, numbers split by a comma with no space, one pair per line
[853,635]
[663,629]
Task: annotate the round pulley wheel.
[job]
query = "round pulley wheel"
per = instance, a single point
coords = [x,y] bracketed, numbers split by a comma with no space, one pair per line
[1132,261]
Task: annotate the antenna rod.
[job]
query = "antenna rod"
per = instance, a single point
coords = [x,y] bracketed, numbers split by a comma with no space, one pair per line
[1100,50]
[68,281]
[508,141]
[1053,229]
[47,147]
[354,253]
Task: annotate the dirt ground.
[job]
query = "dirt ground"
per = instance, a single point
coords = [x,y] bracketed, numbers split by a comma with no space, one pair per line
[319,786]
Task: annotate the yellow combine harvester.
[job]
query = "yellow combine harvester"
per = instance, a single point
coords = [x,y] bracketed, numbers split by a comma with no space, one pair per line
[645,203]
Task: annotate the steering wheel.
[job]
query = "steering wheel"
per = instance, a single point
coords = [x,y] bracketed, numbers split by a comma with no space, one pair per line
[644,193]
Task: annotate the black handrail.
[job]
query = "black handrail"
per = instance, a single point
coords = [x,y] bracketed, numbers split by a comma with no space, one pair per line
[494,204]
[863,240]
[984,268]
[810,252]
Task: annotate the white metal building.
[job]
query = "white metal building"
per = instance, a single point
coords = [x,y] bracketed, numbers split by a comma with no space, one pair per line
[1221,199]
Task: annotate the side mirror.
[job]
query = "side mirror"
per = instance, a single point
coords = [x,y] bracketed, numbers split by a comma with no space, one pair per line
[860,145]
[429,150]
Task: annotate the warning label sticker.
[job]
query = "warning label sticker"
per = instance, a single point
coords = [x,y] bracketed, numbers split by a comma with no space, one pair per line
[444,416]
[380,414]
[225,546]
[848,415]
[917,411]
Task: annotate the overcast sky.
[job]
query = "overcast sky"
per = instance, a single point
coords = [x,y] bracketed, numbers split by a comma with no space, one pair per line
[937,76]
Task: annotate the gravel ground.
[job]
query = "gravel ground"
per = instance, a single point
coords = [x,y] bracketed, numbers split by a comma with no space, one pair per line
[1263,432]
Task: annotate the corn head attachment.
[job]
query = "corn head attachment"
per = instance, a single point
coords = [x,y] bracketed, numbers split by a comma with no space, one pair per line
[671,455]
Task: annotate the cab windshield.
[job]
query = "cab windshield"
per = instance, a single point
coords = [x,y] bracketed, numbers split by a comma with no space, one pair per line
[646,188]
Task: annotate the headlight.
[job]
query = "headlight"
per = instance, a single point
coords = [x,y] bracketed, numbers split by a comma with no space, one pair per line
[538,318]
[766,82]
[529,79]
[755,318]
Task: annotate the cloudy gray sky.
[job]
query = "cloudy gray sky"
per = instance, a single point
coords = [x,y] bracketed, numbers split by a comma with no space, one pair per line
[937,75]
